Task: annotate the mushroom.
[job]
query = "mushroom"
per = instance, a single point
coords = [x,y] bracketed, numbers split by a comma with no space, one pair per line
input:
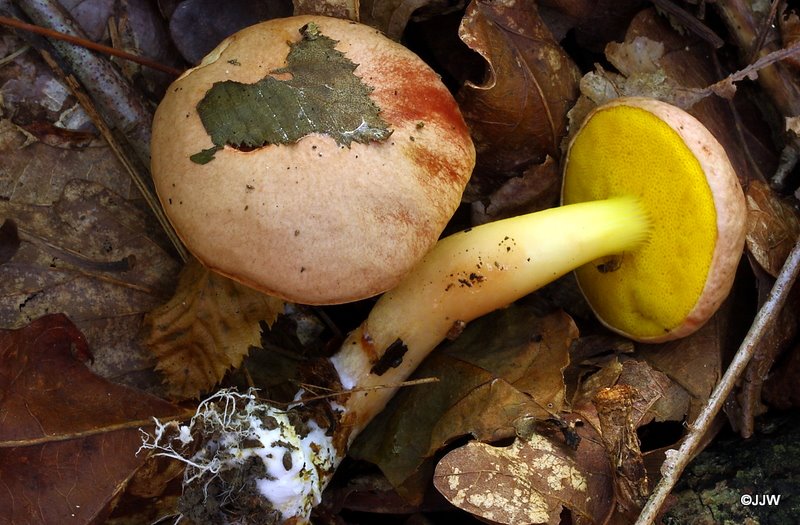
[621,152]
[669,287]
[310,158]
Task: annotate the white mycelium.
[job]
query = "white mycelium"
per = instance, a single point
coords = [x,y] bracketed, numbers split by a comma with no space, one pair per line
[298,462]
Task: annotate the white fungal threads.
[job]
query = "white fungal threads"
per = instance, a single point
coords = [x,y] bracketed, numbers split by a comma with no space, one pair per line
[298,458]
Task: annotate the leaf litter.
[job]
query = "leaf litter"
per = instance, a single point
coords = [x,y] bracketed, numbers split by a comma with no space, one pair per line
[59,417]
[673,381]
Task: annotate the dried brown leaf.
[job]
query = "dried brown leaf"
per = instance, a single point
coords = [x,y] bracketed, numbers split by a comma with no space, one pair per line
[392,16]
[34,173]
[206,329]
[538,188]
[504,368]
[604,377]
[69,438]
[654,60]
[615,410]
[347,9]
[695,362]
[530,481]
[773,226]
[93,256]
[658,398]
[518,114]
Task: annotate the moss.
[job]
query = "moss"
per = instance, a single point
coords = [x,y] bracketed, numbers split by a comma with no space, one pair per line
[713,486]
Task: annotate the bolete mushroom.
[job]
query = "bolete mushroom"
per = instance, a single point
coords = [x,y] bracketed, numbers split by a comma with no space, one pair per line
[310,158]
[653,221]
[669,287]
[621,151]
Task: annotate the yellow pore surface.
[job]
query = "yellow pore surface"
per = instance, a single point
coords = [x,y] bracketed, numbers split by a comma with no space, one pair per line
[624,150]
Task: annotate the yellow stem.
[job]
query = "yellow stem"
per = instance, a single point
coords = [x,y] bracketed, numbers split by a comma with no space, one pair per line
[470,274]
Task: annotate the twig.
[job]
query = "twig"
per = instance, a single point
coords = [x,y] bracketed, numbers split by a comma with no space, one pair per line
[126,425]
[677,462]
[764,30]
[124,108]
[94,46]
[726,85]
[137,174]
[411,382]
[125,119]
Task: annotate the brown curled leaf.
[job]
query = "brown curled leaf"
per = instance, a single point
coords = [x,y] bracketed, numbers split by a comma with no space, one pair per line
[518,114]
[68,438]
[773,226]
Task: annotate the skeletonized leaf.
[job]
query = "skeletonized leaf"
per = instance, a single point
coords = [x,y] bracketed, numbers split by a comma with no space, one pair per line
[530,481]
[206,329]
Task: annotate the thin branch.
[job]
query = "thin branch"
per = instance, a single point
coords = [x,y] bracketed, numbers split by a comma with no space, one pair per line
[126,425]
[676,462]
[123,108]
[302,401]
[88,44]
[727,85]
[120,113]
[765,29]
[138,175]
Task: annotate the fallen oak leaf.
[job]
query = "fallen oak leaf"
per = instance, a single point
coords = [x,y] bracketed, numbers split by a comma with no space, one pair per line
[93,255]
[68,438]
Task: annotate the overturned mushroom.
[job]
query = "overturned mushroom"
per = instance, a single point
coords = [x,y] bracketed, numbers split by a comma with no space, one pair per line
[667,159]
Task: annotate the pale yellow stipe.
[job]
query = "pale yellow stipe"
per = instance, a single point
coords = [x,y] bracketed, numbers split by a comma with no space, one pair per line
[623,150]
[474,272]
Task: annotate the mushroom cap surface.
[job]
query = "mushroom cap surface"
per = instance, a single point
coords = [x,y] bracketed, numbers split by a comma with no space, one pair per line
[314,220]
[672,285]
